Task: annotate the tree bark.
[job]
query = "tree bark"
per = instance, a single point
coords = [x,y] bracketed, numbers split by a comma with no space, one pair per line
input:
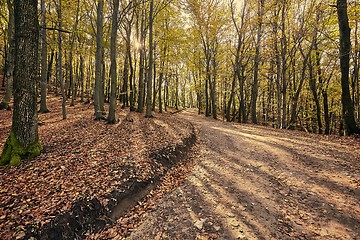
[72,43]
[313,88]
[43,106]
[24,139]
[345,46]
[295,99]
[98,60]
[59,65]
[113,74]
[255,86]
[151,62]
[9,74]
[141,94]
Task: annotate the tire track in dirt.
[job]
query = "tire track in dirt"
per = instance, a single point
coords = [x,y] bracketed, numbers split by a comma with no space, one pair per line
[253,182]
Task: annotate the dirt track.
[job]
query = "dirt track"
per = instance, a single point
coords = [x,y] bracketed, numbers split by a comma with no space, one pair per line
[253,182]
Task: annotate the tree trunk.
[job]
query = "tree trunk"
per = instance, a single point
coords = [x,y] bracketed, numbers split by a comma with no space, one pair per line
[177,92]
[345,46]
[141,95]
[82,78]
[24,139]
[255,86]
[9,74]
[213,94]
[283,42]
[43,107]
[295,99]
[71,71]
[151,62]
[60,70]
[50,71]
[161,76]
[124,90]
[313,88]
[113,74]
[98,60]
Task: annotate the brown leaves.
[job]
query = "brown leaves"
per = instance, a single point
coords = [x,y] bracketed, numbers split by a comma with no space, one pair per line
[82,158]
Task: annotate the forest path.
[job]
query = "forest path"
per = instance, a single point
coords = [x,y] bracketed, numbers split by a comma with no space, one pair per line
[254,182]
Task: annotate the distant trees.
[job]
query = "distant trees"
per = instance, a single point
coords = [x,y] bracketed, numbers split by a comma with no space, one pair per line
[268,62]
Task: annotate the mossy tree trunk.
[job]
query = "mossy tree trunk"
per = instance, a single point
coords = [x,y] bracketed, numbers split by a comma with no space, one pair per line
[24,140]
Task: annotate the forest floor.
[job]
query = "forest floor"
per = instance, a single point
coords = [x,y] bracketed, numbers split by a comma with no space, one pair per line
[238,181]
[254,182]
[86,170]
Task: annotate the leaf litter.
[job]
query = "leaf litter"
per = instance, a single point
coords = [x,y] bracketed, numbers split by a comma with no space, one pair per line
[83,164]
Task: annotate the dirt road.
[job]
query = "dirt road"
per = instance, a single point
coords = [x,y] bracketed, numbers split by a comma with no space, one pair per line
[253,182]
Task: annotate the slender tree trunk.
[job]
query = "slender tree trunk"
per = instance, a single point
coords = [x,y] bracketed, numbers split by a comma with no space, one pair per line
[98,60]
[283,42]
[60,70]
[177,91]
[326,112]
[43,107]
[166,93]
[141,95]
[313,88]
[71,72]
[24,139]
[50,71]
[213,94]
[345,46]
[151,62]
[82,79]
[124,90]
[113,74]
[295,99]
[131,76]
[255,86]
[161,76]
[9,74]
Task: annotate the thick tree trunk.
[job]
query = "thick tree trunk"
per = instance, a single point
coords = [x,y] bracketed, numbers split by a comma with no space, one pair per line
[24,139]
[113,74]
[9,74]
[345,46]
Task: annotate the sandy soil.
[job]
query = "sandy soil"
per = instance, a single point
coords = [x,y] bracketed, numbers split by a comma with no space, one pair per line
[254,182]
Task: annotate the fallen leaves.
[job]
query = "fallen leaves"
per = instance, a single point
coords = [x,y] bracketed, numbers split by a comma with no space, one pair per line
[82,159]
